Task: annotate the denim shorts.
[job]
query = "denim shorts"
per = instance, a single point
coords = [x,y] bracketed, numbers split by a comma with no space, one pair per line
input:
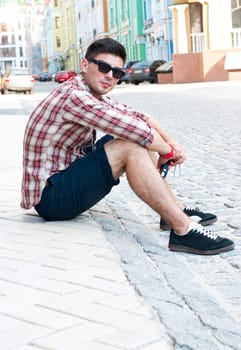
[80,186]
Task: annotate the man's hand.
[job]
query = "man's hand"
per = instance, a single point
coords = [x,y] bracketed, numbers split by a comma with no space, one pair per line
[180,155]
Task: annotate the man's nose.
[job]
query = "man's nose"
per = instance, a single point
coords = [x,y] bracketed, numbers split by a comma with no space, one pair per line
[109,74]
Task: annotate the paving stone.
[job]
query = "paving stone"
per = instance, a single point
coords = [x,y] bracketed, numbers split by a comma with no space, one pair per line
[44,317]
[72,300]
[159,345]
[22,334]
[97,346]
[138,335]
[74,337]
[27,347]
[106,315]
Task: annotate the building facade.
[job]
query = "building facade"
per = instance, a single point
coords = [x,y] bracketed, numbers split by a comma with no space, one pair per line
[23,35]
[202,37]
[91,19]
[63,53]
[207,37]
[12,36]
[126,23]
[158,29]
[75,24]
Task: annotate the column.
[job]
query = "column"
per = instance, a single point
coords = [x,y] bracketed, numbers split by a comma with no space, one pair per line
[180,28]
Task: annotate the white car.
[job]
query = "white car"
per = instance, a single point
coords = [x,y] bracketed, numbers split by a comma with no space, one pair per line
[17,79]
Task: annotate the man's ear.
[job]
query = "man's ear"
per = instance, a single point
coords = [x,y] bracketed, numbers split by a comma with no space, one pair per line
[84,65]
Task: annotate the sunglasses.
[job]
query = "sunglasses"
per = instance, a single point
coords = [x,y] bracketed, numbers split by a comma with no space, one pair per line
[104,67]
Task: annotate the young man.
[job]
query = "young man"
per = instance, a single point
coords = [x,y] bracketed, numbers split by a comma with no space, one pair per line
[65,171]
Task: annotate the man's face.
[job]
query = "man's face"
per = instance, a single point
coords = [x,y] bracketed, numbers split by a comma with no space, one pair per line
[101,83]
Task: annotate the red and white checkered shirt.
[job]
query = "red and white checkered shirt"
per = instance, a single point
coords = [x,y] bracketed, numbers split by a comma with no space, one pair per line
[63,123]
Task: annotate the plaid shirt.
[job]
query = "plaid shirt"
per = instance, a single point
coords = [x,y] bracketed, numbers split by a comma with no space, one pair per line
[63,123]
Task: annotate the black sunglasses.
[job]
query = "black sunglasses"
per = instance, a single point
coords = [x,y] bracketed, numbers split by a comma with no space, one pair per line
[104,67]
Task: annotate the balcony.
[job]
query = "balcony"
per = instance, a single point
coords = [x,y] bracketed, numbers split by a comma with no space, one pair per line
[236,38]
[148,23]
[198,42]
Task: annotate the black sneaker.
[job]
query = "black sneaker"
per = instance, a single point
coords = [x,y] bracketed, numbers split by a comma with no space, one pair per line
[199,240]
[206,218]
[195,213]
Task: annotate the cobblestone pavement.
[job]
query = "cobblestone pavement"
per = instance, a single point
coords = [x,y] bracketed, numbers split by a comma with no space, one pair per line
[107,280]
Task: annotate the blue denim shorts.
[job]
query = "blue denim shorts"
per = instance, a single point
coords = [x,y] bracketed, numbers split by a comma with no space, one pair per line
[80,186]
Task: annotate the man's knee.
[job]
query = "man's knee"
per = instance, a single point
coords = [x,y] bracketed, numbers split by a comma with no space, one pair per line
[124,146]
[120,153]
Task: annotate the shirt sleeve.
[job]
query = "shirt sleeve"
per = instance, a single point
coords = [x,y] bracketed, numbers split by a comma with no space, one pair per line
[109,116]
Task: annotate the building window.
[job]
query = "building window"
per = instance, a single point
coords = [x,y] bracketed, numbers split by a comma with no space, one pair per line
[4,40]
[236,13]
[123,10]
[58,42]
[56,3]
[147,10]
[236,18]
[112,18]
[235,4]
[57,22]
[196,18]
[3,27]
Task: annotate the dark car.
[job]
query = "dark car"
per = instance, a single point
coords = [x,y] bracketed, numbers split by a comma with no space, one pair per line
[127,69]
[44,76]
[144,71]
[165,67]
[153,74]
[64,75]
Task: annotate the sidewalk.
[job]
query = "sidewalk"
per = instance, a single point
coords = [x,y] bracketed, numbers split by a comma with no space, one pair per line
[62,288]
[61,284]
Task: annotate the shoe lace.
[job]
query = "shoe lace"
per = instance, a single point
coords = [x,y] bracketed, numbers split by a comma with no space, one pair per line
[177,173]
[208,233]
[192,209]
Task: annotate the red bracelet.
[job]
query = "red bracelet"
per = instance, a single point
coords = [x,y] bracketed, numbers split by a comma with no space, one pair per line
[170,154]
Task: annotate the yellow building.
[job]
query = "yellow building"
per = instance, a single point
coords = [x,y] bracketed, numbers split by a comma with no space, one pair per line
[207,40]
[65,54]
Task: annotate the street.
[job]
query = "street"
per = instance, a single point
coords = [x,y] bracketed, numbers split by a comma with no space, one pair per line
[196,298]
[192,295]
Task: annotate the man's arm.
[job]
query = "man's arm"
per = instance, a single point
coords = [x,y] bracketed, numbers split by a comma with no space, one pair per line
[156,125]
[180,154]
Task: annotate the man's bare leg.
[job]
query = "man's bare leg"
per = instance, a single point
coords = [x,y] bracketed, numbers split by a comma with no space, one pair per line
[154,158]
[146,182]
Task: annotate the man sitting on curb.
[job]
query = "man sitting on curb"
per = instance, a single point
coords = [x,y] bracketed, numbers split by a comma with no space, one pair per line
[66,172]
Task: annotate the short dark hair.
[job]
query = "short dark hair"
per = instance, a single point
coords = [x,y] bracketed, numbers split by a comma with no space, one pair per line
[106,45]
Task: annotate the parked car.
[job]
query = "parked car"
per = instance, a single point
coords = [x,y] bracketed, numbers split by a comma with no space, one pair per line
[127,69]
[144,71]
[44,76]
[17,79]
[64,75]
[165,68]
